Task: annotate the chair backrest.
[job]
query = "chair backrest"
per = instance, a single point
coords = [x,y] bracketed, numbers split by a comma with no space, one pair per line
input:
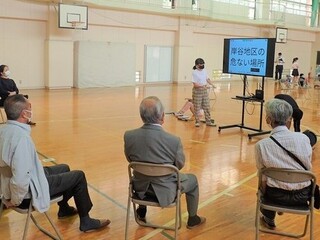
[154,170]
[289,176]
[5,175]
[5,171]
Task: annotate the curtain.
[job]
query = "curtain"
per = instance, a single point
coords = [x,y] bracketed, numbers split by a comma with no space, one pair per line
[314,13]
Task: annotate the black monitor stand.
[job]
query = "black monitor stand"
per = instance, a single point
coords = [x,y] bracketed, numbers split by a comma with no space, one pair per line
[245,99]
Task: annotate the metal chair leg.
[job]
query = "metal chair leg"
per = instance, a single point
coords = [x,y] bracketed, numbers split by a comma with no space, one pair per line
[128,218]
[26,227]
[58,237]
[1,207]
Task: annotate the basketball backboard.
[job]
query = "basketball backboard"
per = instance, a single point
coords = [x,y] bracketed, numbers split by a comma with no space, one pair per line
[281,35]
[73,16]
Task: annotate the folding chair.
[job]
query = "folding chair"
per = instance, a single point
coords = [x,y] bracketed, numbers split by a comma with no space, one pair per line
[154,170]
[2,115]
[289,176]
[29,211]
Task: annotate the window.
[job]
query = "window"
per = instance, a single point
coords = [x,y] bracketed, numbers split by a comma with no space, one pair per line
[194,5]
[248,3]
[297,7]
[138,76]
[168,4]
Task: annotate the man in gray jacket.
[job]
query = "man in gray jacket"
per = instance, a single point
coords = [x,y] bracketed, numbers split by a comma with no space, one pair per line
[23,177]
[152,144]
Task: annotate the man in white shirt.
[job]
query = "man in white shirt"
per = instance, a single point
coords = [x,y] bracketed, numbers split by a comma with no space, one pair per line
[279,66]
[269,154]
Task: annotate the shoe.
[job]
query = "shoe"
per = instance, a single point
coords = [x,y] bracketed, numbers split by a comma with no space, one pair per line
[94,224]
[195,221]
[268,223]
[197,124]
[183,118]
[211,124]
[32,123]
[71,211]
[177,114]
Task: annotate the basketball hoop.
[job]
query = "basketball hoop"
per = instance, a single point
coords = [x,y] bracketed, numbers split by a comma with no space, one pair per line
[76,24]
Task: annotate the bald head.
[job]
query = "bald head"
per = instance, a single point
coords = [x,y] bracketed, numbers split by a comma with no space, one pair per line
[151,110]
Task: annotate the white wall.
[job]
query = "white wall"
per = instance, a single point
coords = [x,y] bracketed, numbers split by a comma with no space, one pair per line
[22,41]
[59,64]
[26,27]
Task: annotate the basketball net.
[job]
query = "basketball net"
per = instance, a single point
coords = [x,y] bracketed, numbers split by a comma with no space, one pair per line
[77,25]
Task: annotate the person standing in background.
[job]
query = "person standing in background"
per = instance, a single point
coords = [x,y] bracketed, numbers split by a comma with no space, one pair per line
[297,113]
[279,66]
[295,70]
[200,97]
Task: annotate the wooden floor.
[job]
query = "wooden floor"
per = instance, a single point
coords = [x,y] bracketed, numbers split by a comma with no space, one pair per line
[85,127]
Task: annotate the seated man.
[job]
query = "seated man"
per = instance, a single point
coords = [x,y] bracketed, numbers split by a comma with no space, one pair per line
[27,176]
[297,112]
[269,154]
[151,143]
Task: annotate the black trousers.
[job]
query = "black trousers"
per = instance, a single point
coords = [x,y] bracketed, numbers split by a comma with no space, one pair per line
[297,116]
[70,184]
[286,198]
[279,70]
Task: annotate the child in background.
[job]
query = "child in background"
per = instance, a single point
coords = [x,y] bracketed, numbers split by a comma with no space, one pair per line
[302,80]
[188,106]
[316,83]
[286,81]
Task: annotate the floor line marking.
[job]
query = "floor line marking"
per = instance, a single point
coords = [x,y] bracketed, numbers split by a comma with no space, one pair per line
[203,204]
[91,187]
[195,141]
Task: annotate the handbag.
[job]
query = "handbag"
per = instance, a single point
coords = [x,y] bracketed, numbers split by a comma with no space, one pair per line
[316,191]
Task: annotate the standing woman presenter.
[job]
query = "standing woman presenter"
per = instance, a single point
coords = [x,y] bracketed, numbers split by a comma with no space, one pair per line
[200,96]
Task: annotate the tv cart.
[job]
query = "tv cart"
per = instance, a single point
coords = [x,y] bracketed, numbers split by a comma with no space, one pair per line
[244,100]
